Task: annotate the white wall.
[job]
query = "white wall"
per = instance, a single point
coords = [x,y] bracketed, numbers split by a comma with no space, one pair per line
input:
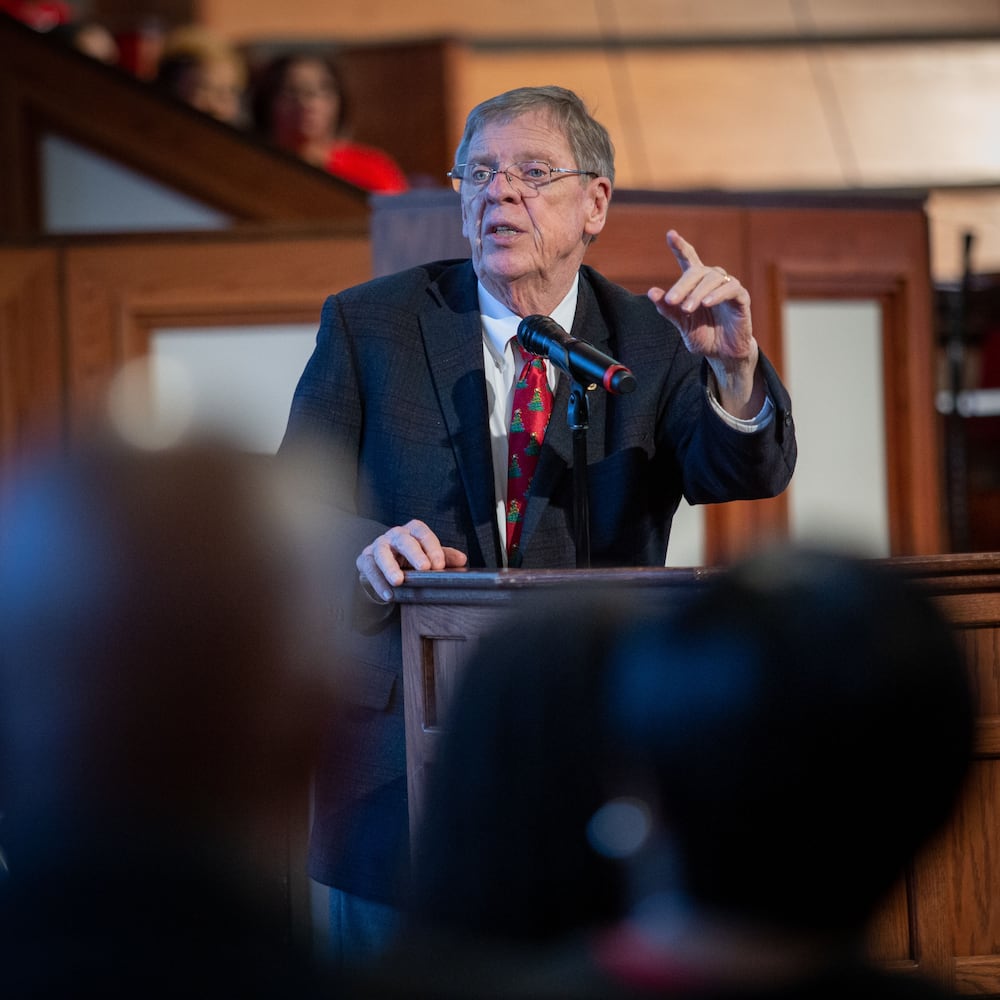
[237,381]
[83,192]
[833,369]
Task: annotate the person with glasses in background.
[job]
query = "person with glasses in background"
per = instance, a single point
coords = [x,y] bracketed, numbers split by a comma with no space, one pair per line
[299,104]
[411,383]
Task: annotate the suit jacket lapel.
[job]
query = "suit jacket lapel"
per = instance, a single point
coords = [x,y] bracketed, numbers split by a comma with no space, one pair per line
[452,334]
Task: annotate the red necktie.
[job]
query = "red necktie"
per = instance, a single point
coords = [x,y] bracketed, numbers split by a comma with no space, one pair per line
[530,412]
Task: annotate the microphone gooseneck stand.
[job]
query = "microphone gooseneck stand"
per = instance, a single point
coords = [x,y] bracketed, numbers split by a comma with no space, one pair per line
[587,367]
[579,422]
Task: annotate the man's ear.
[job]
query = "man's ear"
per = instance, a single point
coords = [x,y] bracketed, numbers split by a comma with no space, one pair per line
[599,198]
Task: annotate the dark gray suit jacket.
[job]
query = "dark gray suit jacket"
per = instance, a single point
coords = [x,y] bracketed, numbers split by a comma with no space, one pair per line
[394,397]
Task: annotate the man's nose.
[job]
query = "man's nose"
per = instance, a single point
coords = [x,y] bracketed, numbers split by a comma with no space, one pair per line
[507,188]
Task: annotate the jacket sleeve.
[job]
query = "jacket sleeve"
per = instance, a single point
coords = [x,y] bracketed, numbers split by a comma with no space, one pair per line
[321,444]
[721,463]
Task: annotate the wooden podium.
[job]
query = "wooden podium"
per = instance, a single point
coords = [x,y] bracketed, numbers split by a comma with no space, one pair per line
[944,917]
[444,616]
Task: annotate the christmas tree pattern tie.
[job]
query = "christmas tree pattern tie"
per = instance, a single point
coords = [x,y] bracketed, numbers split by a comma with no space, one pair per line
[530,412]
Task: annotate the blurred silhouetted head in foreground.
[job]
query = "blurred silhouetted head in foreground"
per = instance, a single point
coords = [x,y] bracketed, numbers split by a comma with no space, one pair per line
[769,748]
[160,669]
[799,731]
[162,696]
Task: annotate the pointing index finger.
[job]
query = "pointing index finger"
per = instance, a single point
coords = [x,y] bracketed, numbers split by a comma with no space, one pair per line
[684,252]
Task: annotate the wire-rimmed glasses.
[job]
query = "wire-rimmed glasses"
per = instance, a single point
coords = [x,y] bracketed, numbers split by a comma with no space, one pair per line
[528,176]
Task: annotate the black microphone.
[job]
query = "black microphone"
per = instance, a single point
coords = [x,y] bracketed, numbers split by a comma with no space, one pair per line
[584,363]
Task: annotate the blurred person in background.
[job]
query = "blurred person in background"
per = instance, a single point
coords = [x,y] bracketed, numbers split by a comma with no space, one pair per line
[42,15]
[162,689]
[299,105]
[205,72]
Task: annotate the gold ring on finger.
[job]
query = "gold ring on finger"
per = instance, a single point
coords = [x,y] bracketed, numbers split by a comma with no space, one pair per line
[726,276]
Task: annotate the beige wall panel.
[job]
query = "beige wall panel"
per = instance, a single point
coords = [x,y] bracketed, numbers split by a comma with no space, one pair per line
[920,114]
[728,119]
[681,18]
[689,119]
[771,118]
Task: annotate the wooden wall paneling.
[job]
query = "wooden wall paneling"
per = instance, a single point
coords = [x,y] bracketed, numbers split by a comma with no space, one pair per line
[971,861]
[633,251]
[941,919]
[967,862]
[31,370]
[889,939]
[20,168]
[118,294]
[913,931]
[409,121]
[950,897]
[862,253]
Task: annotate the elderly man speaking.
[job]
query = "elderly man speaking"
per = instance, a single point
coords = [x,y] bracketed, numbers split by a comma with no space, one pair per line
[421,395]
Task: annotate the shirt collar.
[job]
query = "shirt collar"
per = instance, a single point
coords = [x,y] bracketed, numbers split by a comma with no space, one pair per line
[500,324]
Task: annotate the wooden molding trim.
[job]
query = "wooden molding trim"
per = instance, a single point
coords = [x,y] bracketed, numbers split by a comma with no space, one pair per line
[911,436]
[879,254]
[31,370]
[118,295]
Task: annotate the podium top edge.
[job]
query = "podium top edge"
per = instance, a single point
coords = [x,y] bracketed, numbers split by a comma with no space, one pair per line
[946,572]
[500,581]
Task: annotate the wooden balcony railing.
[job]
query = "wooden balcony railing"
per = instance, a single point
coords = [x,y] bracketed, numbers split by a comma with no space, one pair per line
[49,88]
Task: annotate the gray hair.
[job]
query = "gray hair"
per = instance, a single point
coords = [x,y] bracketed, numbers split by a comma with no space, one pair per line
[587,137]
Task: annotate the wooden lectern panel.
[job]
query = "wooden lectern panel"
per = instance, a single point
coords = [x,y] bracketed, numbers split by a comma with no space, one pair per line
[444,617]
[969,859]
[439,642]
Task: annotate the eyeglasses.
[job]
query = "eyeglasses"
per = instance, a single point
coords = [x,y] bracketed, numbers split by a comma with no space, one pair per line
[530,175]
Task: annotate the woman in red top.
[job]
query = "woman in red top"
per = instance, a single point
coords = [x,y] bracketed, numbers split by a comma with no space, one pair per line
[37,14]
[299,106]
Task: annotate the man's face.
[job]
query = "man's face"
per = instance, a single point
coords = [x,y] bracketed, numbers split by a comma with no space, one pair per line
[527,244]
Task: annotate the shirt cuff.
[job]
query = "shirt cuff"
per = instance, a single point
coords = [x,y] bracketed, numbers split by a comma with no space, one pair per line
[750,426]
